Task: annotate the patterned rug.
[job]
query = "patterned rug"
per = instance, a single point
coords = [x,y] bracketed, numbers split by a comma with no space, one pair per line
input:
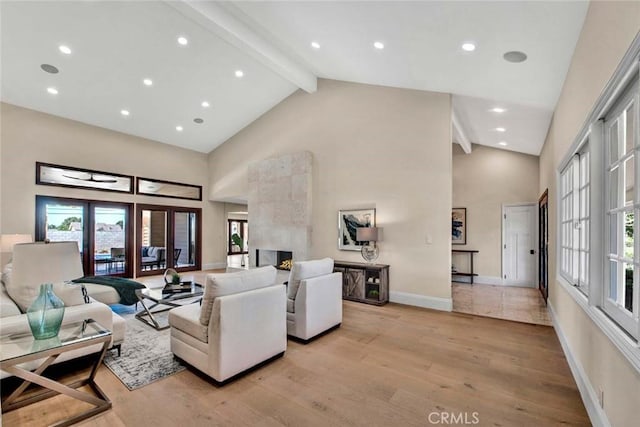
[146,355]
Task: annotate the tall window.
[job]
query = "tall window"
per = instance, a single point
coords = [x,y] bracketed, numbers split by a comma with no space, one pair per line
[575,220]
[621,300]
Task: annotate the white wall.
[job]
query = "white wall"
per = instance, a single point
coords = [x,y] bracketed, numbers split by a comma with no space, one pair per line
[373,147]
[27,136]
[608,31]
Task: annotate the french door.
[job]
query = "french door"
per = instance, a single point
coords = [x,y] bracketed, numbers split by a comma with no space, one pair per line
[168,237]
[103,231]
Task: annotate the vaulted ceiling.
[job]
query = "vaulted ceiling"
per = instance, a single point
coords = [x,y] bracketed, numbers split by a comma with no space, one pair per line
[115,46]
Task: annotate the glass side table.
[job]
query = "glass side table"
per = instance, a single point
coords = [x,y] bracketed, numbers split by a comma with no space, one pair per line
[16,349]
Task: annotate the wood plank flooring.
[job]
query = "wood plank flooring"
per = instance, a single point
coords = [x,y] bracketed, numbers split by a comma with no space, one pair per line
[385,366]
[502,302]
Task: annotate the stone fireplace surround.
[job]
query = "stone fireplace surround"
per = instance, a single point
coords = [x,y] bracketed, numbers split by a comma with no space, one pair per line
[280,207]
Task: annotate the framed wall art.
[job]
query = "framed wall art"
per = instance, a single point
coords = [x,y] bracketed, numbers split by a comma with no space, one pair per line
[67,176]
[459,226]
[348,222]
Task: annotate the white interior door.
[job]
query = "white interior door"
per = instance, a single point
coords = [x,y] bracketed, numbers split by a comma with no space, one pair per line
[519,245]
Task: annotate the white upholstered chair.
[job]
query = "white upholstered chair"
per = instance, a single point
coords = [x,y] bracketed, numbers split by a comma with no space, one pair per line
[314,298]
[240,324]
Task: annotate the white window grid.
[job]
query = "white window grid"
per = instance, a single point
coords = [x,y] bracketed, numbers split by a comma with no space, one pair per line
[622,204]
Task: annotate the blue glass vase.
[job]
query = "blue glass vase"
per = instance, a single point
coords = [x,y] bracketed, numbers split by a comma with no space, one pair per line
[45,313]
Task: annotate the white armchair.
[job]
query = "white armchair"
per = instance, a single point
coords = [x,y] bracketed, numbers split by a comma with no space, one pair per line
[240,324]
[314,303]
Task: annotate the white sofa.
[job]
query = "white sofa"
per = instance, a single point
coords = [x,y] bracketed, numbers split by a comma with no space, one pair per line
[314,299]
[37,263]
[240,324]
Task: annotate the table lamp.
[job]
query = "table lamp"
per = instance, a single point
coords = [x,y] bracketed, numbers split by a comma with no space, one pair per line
[368,234]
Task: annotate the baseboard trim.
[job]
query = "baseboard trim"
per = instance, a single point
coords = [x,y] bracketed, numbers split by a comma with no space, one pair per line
[214,266]
[442,304]
[488,280]
[589,397]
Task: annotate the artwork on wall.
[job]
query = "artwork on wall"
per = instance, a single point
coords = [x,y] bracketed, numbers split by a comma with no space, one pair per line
[66,176]
[348,222]
[459,226]
[173,190]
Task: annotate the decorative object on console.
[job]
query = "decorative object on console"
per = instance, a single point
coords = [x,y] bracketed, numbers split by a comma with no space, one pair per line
[368,234]
[348,222]
[67,176]
[45,313]
[459,226]
[173,190]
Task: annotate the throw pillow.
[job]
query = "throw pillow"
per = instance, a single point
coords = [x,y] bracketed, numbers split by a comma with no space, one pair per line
[218,285]
[306,270]
[24,296]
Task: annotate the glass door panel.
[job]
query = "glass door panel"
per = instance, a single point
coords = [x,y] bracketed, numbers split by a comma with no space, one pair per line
[65,222]
[110,240]
[184,239]
[153,253]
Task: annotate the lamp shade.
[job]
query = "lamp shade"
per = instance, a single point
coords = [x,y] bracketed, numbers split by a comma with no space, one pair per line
[367,234]
[9,240]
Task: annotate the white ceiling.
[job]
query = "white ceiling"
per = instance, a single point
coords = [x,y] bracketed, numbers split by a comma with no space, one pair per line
[117,44]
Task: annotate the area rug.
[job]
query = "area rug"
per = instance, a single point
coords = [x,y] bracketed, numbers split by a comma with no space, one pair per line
[146,355]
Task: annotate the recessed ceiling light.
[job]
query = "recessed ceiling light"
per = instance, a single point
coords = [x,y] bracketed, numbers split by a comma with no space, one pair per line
[500,129]
[515,56]
[469,47]
[205,104]
[502,143]
[52,90]
[239,73]
[179,128]
[124,112]
[315,45]
[198,120]
[183,41]
[498,110]
[49,68]
[64,49]
[378,45]
[147,82]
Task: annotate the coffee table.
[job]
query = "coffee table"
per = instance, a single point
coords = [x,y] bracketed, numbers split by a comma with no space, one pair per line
[169,300]
[19,348]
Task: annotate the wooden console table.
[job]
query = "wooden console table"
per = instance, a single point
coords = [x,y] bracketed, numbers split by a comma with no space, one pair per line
[362,282]
[470,274]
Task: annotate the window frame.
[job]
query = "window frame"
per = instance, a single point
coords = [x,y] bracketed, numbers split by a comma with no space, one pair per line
[574,218]
[629,321]
[593,128]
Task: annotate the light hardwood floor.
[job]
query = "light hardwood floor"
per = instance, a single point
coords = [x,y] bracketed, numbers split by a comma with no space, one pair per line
[386,366]
[502,302]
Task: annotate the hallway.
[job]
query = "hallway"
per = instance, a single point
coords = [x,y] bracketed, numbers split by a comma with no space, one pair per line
[501,302]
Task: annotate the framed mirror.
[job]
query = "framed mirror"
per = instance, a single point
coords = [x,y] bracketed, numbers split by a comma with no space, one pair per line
[174,190]
[67,176]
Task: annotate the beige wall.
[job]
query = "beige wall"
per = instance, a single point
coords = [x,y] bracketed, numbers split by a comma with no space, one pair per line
[28,136]
[482,182]
[373,147]
[608,31]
